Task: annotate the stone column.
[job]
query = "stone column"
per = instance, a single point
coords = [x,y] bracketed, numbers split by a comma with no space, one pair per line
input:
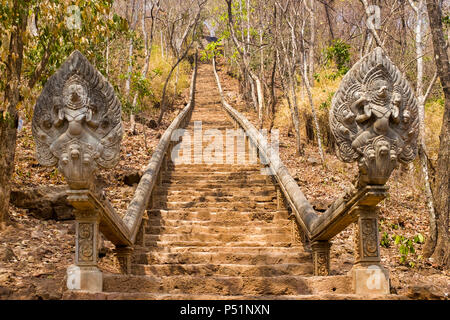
[84,274]
[321,257]
[369,276]
[124,256]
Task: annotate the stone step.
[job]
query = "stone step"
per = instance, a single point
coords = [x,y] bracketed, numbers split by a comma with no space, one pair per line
[218,192]
[295,248]
[234,244]
[213,285]
[227,167]
[233,270]
[188,185]
[84,295]
[218,229]
[212,175]
[225,181]
[250,224]
[228,238]
[186,197]
[217,214]
[262,257]
[213,206]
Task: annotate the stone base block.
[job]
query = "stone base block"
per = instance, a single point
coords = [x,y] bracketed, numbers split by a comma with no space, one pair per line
[370,280]
[84,278]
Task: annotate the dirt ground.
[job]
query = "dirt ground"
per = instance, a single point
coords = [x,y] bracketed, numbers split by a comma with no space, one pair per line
[34,254]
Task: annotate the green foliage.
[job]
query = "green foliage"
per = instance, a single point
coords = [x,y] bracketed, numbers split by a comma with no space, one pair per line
[212,49]
[339,53]
[327,104]
[419,238]
[52,35]
[446,20]
[385,240]
[5,117]
[406,246]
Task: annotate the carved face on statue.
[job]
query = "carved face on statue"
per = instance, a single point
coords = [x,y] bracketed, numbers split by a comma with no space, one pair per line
[77,122]
[374,118]
[380,90]
[75,94]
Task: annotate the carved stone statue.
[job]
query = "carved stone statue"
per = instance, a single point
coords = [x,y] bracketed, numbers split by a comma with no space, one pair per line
[374,118]
[77,122]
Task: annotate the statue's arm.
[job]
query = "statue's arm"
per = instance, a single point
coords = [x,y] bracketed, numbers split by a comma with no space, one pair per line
[61,116]
[366,115]
[92,123]
[396,109]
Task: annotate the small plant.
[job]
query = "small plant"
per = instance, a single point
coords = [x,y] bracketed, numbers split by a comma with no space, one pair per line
[419,238]
[385,240]
[406,247]
[339,53]
[212,49]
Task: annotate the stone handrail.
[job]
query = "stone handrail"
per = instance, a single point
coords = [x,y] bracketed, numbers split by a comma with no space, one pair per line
[302,209]
[138,205]
[123,232]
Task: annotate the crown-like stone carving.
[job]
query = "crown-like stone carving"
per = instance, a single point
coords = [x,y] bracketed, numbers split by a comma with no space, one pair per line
[374,118]
[77,122]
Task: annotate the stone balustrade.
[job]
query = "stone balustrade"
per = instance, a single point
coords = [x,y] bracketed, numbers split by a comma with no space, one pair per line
[374,121]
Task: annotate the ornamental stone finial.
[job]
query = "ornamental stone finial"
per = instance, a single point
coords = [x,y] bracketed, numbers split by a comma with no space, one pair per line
[77,122]
[374,118]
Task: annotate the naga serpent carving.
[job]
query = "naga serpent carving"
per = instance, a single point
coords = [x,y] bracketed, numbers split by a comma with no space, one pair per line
[374,118]
[77,122]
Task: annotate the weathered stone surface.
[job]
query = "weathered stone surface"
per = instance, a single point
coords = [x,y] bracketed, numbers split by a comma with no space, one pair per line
[425,292]
[132,177]
[77,122]
[7,254]
[44,202]
[84,278]
[374,118]
[370,280]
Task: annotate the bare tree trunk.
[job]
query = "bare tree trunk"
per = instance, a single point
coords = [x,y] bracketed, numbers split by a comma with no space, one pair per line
[273,100]
[312,41]
[437,245]
[162,46]
[130,52]
[329,22]
[9,117]
[129,68]
[294,112]
[163,98]
[316,122]
[260,92]
[107,50]
[177,76]
[419,33]
[254,97]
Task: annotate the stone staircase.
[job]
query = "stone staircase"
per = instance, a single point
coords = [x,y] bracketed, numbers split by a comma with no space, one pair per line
[218,231]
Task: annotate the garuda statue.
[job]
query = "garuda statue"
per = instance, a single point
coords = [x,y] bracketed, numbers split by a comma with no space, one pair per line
[77,122]
[374,118]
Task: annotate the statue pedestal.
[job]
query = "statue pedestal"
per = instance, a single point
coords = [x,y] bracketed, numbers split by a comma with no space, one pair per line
[369,276]
[370,280]
[84,278]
